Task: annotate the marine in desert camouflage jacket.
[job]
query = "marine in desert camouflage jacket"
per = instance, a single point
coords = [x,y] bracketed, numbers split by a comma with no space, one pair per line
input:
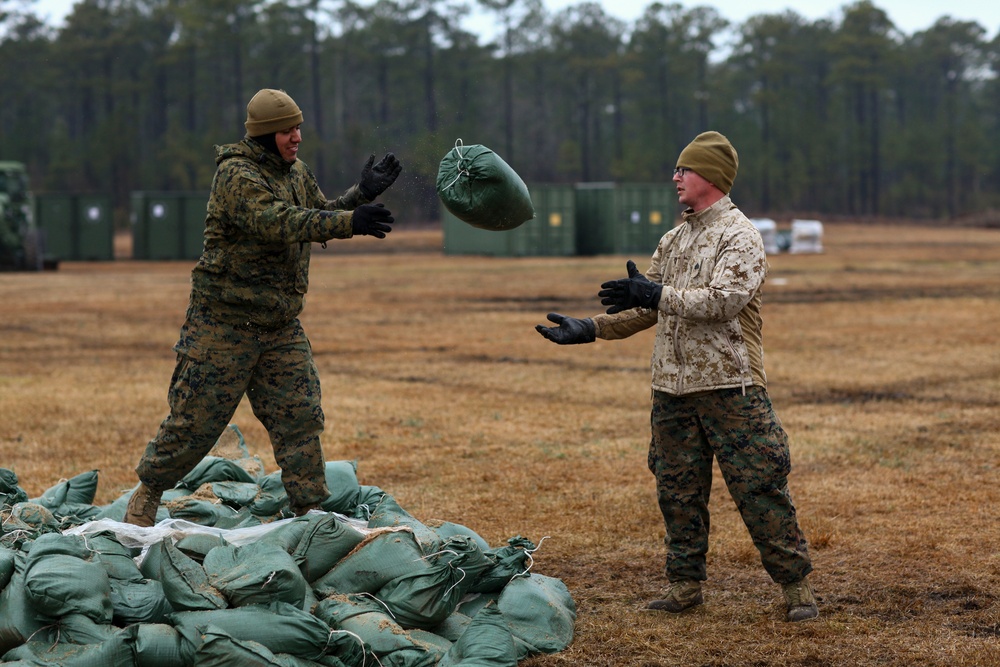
[263,215]
[708,324]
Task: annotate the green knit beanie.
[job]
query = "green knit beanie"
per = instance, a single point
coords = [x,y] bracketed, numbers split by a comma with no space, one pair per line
[271,111]
[712,157]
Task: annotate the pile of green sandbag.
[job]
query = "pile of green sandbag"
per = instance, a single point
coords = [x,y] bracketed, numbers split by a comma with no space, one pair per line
[225,578]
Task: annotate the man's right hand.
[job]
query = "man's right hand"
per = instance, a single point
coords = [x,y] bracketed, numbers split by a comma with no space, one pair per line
[372,220]
[570,330]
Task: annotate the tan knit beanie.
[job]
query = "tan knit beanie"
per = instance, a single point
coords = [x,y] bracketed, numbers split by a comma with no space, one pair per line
[713,158]
[271,111]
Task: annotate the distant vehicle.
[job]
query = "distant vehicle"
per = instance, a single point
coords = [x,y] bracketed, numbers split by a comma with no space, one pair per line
[21,242]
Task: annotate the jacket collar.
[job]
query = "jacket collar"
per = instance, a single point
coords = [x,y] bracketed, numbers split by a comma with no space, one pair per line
[265,157]
[707,215]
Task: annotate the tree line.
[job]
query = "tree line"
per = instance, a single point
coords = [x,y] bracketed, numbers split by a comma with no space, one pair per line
[830,117]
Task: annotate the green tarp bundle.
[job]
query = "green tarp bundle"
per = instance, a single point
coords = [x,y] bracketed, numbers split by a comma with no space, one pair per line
[367,584]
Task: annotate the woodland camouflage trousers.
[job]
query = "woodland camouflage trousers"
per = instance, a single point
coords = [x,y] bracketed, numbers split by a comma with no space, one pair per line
[745,436]
[217,363]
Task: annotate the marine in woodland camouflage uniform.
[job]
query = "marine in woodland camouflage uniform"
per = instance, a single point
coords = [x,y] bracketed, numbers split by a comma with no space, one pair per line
[241,334]
[702,293]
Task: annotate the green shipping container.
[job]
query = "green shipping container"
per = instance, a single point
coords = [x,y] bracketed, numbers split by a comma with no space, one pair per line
[96,228]
[77,227]
[622,218]
[168,225]
[552,232]
[54,215]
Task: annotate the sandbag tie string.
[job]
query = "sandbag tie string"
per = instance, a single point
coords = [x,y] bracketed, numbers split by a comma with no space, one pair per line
[451,564]
[12,536]
[364,654]
[462,171]
[44,628]
[537,546]
[531,560]
[367,509]
[372,596]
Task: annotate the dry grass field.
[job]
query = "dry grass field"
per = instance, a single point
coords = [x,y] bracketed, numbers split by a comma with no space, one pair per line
[883,358]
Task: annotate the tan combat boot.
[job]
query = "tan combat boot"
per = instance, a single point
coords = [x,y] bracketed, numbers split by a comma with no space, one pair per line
[142,506]
[681,595]
[800,601]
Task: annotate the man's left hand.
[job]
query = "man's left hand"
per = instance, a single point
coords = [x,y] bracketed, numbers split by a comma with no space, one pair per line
[372,220]
[636,291]
[376,178]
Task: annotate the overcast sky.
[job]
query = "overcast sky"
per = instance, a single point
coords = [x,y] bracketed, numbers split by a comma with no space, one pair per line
[910,16]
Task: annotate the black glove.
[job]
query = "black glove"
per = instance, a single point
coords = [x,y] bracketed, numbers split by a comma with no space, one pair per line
[634,291]
[376,179]
[372,219]
[570,331]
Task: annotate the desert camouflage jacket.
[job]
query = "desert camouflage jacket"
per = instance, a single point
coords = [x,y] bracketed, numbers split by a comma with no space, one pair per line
[263,215]
[708,324]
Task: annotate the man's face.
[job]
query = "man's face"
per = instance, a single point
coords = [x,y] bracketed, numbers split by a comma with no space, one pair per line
[288,143]
[693,191]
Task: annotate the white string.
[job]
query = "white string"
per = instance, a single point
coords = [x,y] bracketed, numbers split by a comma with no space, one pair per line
[451,564]
[15,535]
[58,636]
[531,560]
[531,563]
[538,546]
[44,627]
[461,170]
[364,654]
[372,596]
[452,587]
[368,508]
[438,553]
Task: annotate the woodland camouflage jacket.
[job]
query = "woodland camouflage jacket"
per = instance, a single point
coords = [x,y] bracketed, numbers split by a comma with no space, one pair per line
[263,215]
[708,324]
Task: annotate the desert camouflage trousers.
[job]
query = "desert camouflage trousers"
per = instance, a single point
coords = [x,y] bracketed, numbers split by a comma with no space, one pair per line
[217,364]
[745,436]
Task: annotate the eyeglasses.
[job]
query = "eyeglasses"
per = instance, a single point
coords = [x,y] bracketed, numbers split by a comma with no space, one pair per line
[681,171]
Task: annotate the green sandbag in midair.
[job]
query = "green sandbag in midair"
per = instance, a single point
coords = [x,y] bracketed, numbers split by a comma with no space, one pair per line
[482,190]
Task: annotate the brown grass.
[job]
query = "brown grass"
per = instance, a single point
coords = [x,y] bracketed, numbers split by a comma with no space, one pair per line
[882,359]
